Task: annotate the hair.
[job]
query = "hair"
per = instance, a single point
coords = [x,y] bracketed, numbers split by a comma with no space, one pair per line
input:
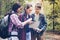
[16,6]
[27,6]
[38,5]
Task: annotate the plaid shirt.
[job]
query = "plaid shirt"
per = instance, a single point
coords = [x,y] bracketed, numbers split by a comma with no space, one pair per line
[14,20]
[22,35]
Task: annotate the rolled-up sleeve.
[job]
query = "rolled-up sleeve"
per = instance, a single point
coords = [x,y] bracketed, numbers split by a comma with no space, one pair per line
[15,20]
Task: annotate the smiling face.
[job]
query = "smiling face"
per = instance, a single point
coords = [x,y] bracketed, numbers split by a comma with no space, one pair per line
[37,10]
[19,9]
[29,10]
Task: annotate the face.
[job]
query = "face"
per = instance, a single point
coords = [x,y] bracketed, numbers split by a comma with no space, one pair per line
[20,9]
[37,10]
[28,11]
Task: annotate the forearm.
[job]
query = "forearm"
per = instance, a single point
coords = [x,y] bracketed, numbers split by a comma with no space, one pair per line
[27,21]
[44,27]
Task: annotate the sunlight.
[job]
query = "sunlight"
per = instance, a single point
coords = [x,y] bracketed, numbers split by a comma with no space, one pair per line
[33,2]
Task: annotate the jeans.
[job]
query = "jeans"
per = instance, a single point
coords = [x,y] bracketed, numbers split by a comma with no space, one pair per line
[28,36]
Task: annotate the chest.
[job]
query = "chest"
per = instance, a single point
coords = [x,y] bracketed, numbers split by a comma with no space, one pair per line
[24,18]
[38,18]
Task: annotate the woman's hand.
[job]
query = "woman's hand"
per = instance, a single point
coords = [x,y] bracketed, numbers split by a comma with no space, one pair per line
[27,21]
[21,26]
[30,22]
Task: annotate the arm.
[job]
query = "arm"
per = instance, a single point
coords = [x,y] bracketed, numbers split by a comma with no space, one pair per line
[27,21]
[17,22]
[32,16]
[44,24]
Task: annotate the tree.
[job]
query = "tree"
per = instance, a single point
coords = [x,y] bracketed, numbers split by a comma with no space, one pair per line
[54,14]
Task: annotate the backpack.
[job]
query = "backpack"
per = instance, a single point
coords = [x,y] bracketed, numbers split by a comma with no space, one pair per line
[4,26]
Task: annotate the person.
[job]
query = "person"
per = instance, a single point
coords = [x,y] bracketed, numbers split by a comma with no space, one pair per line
[26,34]
[15,23]
[39,25]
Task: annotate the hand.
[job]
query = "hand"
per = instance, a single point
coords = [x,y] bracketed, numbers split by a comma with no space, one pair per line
[30,22]
[39,30]
[21,26]
[27,21]
[34,29]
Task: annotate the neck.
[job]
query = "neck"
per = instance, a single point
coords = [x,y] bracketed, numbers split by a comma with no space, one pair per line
[37,13]
[27,14]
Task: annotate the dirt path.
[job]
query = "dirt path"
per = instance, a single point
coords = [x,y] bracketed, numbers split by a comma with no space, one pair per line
[48,36]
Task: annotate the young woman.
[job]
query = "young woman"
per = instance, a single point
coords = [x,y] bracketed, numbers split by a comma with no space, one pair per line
[15,23]
[25,16]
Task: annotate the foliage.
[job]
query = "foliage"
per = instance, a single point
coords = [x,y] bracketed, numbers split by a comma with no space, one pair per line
[48,7]
[5,6]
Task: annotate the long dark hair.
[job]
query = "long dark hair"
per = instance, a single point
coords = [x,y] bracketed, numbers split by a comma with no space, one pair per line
[16,6]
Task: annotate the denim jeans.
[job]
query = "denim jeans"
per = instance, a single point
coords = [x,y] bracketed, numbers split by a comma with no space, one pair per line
[28,36]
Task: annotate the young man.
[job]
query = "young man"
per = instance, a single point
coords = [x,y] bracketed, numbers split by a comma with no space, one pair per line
[39,25]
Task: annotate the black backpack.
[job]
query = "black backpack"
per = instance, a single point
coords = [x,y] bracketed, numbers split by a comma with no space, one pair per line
[4,27]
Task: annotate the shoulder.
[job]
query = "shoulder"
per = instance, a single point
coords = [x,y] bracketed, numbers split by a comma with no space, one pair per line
[22,14]
[13,13]
[14,16]
[41,15]
[33,14]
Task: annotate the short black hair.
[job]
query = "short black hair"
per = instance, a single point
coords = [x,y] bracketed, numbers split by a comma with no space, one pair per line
[38,5]
[16,6]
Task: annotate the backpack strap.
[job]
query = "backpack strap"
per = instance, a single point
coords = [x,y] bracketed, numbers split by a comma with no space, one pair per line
[9,18]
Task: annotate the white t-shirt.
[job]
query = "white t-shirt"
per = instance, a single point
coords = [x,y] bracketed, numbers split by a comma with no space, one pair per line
[36,23]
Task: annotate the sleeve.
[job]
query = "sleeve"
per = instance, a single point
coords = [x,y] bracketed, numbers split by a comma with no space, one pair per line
[32,16]
[44,24]
[15,20]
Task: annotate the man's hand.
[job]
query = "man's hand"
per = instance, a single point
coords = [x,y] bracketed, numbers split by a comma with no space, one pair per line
[37,29]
